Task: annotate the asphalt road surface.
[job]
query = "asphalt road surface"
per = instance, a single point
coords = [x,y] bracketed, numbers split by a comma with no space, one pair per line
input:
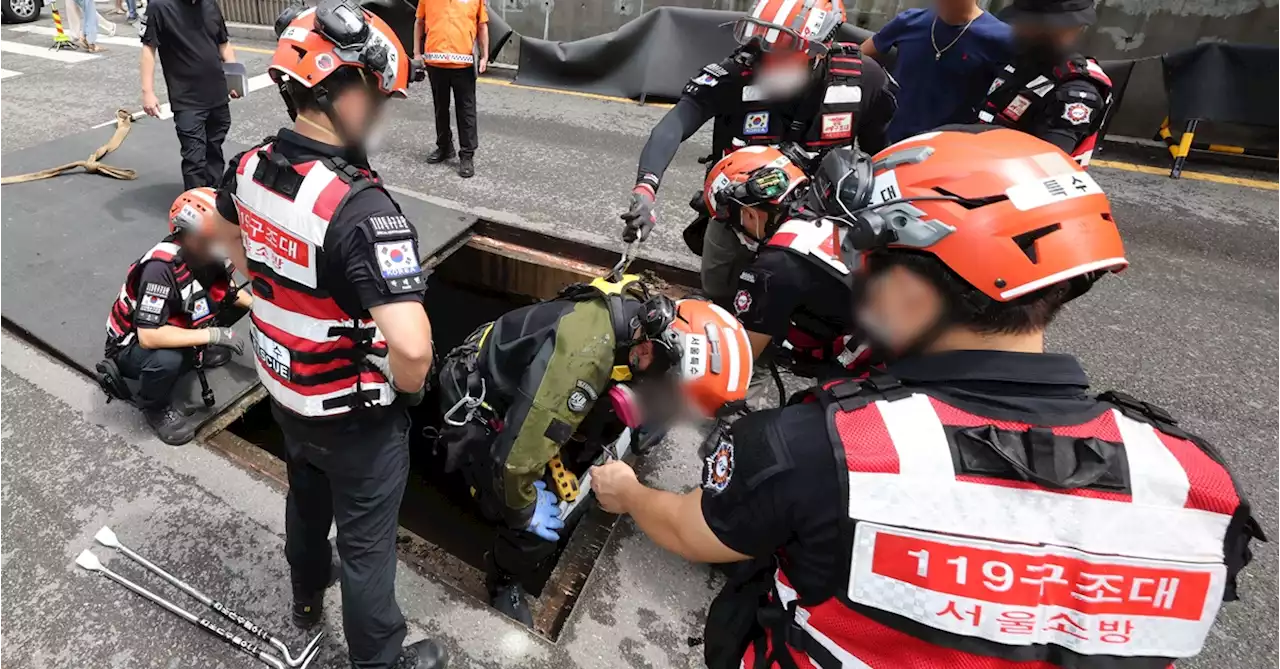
[1191,326]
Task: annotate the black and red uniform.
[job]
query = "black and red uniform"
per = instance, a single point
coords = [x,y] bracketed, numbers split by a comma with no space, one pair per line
[162,288]
[325,243]
[1065,105]
[971,509]
[797,290]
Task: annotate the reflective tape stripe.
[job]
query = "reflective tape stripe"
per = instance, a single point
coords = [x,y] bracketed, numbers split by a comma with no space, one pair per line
[313,405]
[786,595]
[916,431]
[439,57]
[303,326]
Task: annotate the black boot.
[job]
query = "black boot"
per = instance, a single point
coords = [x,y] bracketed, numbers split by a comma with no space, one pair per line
[425,654]
[170,425]
[308,610]
[507,596]
[466,168]
[440,155]
[216,356]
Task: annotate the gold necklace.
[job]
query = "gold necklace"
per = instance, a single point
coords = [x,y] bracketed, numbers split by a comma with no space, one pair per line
[937,53]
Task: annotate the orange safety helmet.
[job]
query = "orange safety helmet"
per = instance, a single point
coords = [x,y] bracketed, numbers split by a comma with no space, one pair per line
[1009,213]
[316,42]
[194,211]
[753,176]
[715,355]
[787,25]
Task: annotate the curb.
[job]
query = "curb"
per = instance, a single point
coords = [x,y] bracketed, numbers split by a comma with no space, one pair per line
[249,31]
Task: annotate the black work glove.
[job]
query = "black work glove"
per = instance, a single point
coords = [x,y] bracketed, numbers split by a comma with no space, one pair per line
[226,338]
[640,217]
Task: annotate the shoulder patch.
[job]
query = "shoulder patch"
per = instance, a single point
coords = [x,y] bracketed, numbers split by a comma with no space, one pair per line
[717,467]
[716,70]
[398,265]
[582,395]
[1077,113]
[384,227]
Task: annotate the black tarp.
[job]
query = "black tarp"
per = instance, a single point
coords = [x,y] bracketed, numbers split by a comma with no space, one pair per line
[652,56]
[1224,83]
[68,241]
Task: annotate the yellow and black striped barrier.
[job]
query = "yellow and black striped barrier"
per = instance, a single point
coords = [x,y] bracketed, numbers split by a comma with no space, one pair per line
[1182,146]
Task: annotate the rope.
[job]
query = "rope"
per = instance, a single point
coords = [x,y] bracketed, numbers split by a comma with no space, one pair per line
[124,120]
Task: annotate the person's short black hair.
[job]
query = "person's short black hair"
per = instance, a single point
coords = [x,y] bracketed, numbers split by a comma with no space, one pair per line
[304,99]
[970,308]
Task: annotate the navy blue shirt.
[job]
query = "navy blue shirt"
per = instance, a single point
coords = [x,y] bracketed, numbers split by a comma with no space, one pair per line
[933,91]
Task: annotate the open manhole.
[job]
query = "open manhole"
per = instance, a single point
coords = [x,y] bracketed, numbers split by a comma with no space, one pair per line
[486,272]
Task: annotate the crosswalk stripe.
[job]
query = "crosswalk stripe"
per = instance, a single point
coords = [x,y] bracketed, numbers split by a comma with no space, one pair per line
[257,82]
[102,39]
[45,52]
[5,74]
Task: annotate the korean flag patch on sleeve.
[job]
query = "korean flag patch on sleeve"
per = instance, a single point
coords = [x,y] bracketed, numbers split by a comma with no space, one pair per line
[398,264]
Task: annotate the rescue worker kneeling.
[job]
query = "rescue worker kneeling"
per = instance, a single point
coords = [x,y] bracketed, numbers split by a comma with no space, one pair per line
[973,505]
[173,303]
[563,378]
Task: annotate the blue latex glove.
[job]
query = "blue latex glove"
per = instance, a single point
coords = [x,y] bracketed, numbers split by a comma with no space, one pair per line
[546,514]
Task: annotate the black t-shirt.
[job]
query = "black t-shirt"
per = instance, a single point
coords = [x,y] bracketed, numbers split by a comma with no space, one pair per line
[783,491]
[351,264]
[188,35]
[159,297]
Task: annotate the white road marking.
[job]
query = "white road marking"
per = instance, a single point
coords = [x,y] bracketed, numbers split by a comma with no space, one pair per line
[257,82]
[45,52]
[5,74]
[46,30]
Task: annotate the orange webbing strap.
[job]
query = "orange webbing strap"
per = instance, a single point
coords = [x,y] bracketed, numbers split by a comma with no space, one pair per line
[124,120]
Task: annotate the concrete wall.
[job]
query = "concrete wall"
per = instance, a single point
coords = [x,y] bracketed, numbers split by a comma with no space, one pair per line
[1126,29]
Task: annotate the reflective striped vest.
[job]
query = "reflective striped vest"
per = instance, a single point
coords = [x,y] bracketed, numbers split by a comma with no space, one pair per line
[760,120]
[199,303]
[311,354]
[995,544]
[1014,101]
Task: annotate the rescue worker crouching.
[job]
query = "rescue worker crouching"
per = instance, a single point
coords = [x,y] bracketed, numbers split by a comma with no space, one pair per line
[795,291]
[790,81]
[171,310]
[340,334]
[563,378]
[972,505]
[1050,90]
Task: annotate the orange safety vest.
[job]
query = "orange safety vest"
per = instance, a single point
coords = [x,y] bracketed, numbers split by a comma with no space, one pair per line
[451,27]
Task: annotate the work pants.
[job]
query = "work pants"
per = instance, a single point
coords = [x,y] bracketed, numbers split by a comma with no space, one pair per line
[462,82]
[200,136]
[353,472]
[723,259]
[517,554]
[157,371]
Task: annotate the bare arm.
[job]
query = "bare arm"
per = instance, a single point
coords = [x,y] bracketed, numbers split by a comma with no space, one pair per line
[228,54]
[150,103]
[484,47]
[868,47]
[408,332]
[419,30]
[172,336]
[672,521]
[244,299]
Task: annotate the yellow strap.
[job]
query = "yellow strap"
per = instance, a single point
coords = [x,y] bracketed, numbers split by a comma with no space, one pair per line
[621,373]
[566,482]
